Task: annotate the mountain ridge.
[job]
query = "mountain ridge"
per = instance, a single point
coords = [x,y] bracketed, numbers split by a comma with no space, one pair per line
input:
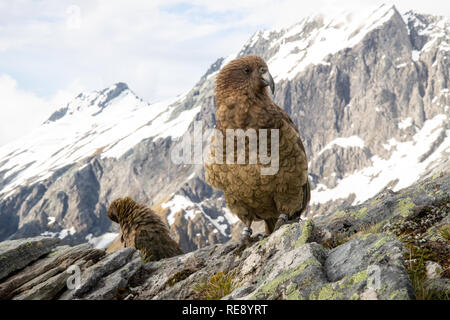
[359,113]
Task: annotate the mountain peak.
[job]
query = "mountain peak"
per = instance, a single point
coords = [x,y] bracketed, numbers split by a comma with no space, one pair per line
[312,39]
[95,99]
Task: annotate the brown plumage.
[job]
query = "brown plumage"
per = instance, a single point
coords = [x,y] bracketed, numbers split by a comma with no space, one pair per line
[243,102]
[141,228]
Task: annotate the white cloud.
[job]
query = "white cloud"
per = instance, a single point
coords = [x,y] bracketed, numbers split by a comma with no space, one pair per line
[22,111]
[14,103]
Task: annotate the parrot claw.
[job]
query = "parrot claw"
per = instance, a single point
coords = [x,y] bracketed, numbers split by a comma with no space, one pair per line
[260,236]
[282,219]
[246,236]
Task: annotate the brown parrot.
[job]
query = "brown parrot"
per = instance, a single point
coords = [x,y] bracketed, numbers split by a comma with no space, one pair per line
[243,102]
[142,229]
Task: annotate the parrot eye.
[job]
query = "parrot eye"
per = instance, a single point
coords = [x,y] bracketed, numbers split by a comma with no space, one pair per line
[247,69]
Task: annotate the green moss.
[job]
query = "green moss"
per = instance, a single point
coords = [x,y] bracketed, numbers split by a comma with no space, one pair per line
[340,213]
[393,294]
[372,228]
[380,242]
[445,232]
[216,287]
[355,296]
[327,293]
[398,294]
[364,236]
[307,231]
[374,202]
[405,206]
[292,292]
[436,175]
[271,287]
[263,242]
[179,276]
[361,213]
[383,289]
[288,230]
[354,279]
[337,239]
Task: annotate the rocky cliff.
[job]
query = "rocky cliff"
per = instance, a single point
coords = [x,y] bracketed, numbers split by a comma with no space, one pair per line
[368,91]
[393,246]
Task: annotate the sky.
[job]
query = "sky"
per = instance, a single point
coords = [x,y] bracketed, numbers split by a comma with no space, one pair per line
[51,50]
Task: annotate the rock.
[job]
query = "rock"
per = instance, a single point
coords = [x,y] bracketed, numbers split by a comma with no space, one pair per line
[42,270]
[439,286]
[434,270]
[353,253]
[49,288]
[373,261]
[287,266]
[109,286]
[16,254]
[92,275]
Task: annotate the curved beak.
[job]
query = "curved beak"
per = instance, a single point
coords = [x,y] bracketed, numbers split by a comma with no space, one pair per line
[268,81]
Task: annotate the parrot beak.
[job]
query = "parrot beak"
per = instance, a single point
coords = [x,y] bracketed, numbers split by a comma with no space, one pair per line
[268,81]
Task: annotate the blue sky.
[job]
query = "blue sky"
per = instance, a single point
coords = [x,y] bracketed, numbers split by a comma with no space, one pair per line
[50,50]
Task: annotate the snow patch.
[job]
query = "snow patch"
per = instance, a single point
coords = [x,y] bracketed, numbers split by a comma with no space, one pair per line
[353,141]
[337,32]
[102,241]
[405,165]
[405,123]
[65,232]
[191,209]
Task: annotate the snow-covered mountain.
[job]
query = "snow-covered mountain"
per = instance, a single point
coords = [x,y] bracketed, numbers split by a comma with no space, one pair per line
[105,123]
[368,91]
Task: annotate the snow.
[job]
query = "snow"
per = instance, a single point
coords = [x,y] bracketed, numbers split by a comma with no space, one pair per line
[61,235]
[102,241]
[190,210]
[405,123]
[254,39]
[231,218]
[224,63]
[391,143]
[176,204]
[49,234]
[338,31]
[51,220]
[65,232]
[353,141]
[404,164]
[86,129]
[436,32]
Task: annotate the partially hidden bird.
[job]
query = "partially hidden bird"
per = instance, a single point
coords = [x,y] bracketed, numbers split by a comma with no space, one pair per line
[142,229]
[243,102]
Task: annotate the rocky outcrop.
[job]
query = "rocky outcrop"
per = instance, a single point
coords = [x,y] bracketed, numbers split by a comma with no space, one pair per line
[15,255]
[362,252]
